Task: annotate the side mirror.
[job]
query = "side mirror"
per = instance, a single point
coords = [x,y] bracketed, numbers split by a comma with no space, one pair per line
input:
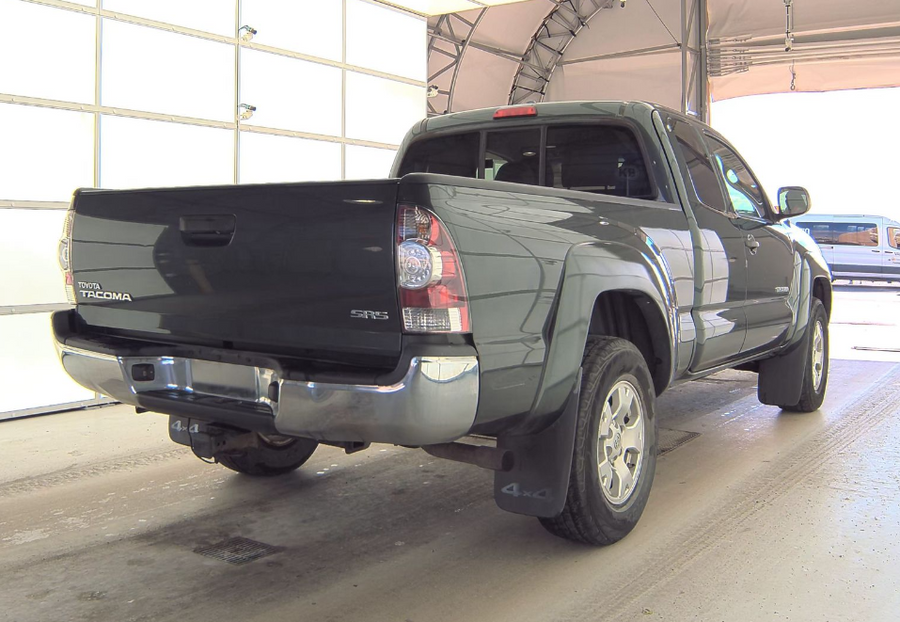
[793,201]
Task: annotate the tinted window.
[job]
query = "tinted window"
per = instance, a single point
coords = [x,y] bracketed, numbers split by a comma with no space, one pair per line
[600,159]
[820,231]
[446,155]
[513,156]
[855,234]
[604,159]
[699,168]
[743,191]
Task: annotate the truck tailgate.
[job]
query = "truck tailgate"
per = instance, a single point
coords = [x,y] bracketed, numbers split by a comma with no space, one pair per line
[299,269]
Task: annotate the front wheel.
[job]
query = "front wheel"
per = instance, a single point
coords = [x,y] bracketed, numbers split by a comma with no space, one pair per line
[614,458]
[815,379]
[273,455]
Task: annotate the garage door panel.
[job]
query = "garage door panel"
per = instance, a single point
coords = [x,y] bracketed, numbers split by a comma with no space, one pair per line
[30,273]
[31,375]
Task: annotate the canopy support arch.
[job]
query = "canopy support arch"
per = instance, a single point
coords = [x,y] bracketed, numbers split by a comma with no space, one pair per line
[445,40]
[548,45]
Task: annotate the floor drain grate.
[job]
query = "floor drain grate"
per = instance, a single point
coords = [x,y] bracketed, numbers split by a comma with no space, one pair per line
[238,551]
[672,439]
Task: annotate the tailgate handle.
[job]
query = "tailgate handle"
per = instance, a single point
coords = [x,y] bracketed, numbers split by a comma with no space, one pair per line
[207,230]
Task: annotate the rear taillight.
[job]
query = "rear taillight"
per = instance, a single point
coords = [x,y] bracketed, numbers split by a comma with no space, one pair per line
[65,255]
[433,295]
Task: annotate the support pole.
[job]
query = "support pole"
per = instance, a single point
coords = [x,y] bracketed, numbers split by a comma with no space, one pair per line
[685,34]
[703,73]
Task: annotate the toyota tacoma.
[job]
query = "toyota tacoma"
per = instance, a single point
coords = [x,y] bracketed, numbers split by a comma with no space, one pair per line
[515,296]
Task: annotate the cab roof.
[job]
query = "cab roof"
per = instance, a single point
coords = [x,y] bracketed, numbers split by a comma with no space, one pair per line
[611,108]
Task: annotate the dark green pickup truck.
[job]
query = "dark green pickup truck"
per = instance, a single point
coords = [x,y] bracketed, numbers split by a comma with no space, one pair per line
[528,280]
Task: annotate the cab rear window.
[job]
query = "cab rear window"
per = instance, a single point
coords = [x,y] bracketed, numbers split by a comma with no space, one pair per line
[600,159]
[456,154]
[597,158]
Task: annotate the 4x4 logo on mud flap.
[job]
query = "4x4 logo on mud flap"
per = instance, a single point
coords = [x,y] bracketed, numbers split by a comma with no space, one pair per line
[516,491]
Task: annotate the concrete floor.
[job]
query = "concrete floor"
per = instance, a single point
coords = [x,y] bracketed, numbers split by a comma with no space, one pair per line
[764,516]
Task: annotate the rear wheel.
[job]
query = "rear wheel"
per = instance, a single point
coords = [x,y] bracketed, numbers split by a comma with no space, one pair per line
[274,455]
[614,458]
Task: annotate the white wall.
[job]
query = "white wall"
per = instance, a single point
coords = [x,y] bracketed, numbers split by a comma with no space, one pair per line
[131,93]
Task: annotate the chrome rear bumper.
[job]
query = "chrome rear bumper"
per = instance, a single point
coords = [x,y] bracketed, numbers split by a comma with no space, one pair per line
[434,402]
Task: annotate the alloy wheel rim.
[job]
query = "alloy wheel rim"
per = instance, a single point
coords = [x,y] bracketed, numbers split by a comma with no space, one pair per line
[620,442]
[818,355]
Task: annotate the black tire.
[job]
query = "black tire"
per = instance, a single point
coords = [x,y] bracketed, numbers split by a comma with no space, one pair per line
[589,515]
[274,456]
[812,396]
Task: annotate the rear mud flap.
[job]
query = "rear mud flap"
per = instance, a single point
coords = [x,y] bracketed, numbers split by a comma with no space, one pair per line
[539,480]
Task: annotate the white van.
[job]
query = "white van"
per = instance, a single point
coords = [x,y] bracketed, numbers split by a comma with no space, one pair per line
[856,247]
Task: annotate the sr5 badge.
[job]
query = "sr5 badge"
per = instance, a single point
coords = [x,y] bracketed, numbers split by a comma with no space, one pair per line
[361,314]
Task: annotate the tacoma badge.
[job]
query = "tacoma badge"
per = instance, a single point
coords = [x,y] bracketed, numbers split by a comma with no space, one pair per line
[93,290]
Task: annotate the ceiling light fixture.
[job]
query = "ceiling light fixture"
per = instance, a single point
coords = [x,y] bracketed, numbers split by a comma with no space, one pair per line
[246,32]
[245,111]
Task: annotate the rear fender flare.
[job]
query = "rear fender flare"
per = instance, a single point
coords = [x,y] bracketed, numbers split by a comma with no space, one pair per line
[590,270]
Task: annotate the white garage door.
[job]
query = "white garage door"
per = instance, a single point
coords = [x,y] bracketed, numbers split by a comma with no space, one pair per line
[132,93]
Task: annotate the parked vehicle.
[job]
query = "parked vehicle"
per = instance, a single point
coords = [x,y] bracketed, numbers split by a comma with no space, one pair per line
[856,247]
[535,275]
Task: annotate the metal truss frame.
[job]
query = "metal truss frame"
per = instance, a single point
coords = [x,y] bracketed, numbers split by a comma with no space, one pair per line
[452,35]
[548,45]
[449,36]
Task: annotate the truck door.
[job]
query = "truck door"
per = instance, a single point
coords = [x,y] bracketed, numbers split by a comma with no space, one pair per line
[770,254]
[720,289]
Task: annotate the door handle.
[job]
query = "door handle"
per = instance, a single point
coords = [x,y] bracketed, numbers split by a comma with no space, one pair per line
[751,243]
[207,230]
[875,250]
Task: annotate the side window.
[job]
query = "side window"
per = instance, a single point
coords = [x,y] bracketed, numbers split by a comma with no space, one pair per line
[743,191]
[605,159]
[513,156]
[699,169]
[893,237]
[855,234]
[820,231]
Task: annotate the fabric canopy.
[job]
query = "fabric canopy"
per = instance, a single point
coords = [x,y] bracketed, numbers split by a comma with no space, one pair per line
[551,50]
